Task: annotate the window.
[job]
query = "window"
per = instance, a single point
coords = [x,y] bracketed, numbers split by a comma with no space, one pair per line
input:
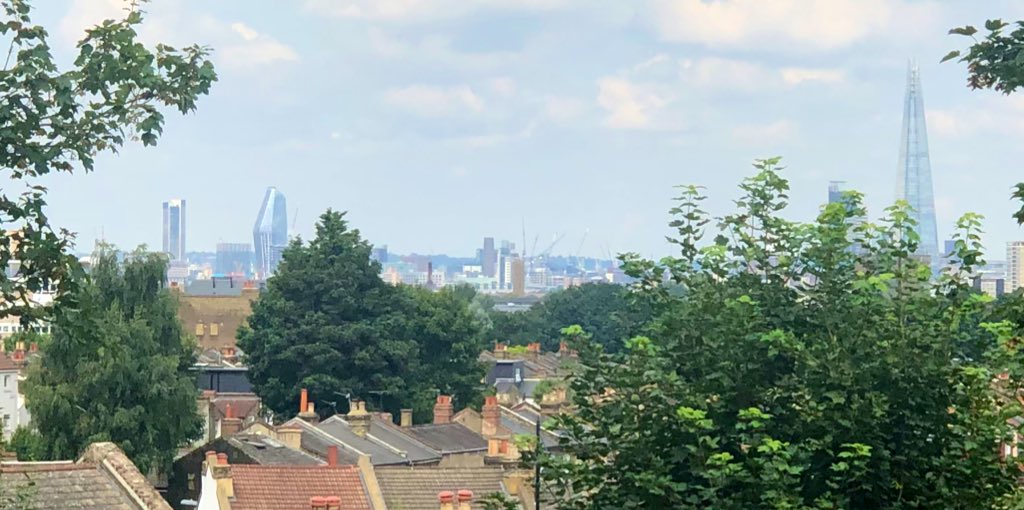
[6,380]
[214,329]
[200,330]
[191,481]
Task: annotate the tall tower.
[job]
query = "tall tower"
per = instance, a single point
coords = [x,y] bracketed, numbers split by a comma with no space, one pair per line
[174,229]
[915,171]
[270,234]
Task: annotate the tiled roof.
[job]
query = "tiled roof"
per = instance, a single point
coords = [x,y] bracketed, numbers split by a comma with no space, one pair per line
[243,405]
[384,444]
[267,451]
[104,479]
[290,487]
[6,363]
[416,488]
[448,437]
[316,441]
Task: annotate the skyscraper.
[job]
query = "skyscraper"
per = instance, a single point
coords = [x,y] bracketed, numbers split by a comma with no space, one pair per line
[915,171]
[835,191]
[270,235]
[489,258]
[1014,265]
[174,229]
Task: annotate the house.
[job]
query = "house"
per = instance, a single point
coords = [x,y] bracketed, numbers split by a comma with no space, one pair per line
[214,309]
[220,411]
[241,448]
[419,487]
[102,479]
[516,373]
[220,370]
[227,486]
[13,412]
[497,422]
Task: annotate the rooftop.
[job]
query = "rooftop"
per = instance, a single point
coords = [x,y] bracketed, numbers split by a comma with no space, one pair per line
[416,488]
[385,443]
[268,451]
[448,437]
[290,487]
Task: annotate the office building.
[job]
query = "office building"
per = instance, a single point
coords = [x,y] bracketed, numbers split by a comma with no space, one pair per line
[489,257]
[234,259]
[835,191]
[174,229]
[270,234]
[1014,265]
[380,253]
[915,172]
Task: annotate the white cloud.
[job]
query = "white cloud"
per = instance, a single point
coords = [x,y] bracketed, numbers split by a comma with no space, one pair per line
[798,75]
[421,10]
[249,48]
[245,31]
[430,101]
[780,131]
[561,109]
[726,74]
[785,25]
[630,105]
[992,118]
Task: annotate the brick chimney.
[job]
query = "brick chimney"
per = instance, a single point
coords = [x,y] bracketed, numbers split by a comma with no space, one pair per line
[307,411]
[406,418]
[490,417]
[447,499]
[318,503]
[332,455]
[33,347]
[500,350]
[465,499]
[533,350]
[443,409]
[290,436]
[222,474]
[231,424]
[493,456]
[358,419]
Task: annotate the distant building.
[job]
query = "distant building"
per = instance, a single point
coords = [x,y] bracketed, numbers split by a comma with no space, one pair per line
[380,253]
[915,172]
[214,309]
[234,259]
[835,191]
[12,403]
[489,257]
[270,234]
[517,276]
[1014,265]
[174,229]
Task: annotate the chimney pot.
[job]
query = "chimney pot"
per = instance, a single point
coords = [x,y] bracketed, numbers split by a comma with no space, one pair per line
[333,502]
[332,455]
[447,498]
[317,503]
[33,347]
[222,459]
[465,497]
[303,401]
[406,418]
[228,412]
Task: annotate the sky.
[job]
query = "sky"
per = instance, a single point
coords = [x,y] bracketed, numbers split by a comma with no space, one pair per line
[435,123]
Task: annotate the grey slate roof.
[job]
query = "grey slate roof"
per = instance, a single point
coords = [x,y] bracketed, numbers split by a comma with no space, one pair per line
[448,437]
[316,441]
[267,451]
[385,444]
[517,424]
[416,488]
[75,486]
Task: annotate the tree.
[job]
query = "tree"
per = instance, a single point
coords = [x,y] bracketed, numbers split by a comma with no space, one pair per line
[59,121]
[796,365]
[328,323]
[604,310]
[117,366]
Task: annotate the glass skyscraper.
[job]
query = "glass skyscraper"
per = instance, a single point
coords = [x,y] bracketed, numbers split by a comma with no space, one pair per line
[270,235]
[174,229]
[915,171]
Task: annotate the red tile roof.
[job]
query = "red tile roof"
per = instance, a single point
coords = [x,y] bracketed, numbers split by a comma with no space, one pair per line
[290,487]
[6,363]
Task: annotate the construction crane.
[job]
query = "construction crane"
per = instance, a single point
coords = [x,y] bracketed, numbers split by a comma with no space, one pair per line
[547,251]
[580,248]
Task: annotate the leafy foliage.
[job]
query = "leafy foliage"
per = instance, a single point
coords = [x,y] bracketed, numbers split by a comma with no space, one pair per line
[997,61]
[796,365]
[117,366]
[57,121]
[603,309]
[327,322]
[28,445]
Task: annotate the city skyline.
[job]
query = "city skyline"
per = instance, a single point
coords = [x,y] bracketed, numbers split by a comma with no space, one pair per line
[482,117]
[270,233]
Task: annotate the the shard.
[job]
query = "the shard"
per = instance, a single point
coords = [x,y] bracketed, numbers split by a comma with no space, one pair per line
[915,171]
[270,235]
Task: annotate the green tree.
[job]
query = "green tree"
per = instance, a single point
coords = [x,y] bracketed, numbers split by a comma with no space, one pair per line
[327,322]
[59,121]
[799,365]
[117,366]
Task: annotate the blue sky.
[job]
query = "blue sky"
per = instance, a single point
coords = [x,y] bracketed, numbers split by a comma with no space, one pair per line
[438,122]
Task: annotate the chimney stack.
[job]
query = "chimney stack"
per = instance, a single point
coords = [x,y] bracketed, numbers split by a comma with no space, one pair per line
[500,350]
[290,436]
[222,474]
[490,417]
[333,502]
[358,419]
[307,411]
[318,503]
[443,409]
[533,350]
[406,419]
[231,424]
[465,499]
[332,455]
[447,499]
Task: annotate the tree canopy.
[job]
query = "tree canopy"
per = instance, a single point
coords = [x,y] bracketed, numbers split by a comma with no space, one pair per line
[796,365]
[54,120]
[328,323]
[117,367]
